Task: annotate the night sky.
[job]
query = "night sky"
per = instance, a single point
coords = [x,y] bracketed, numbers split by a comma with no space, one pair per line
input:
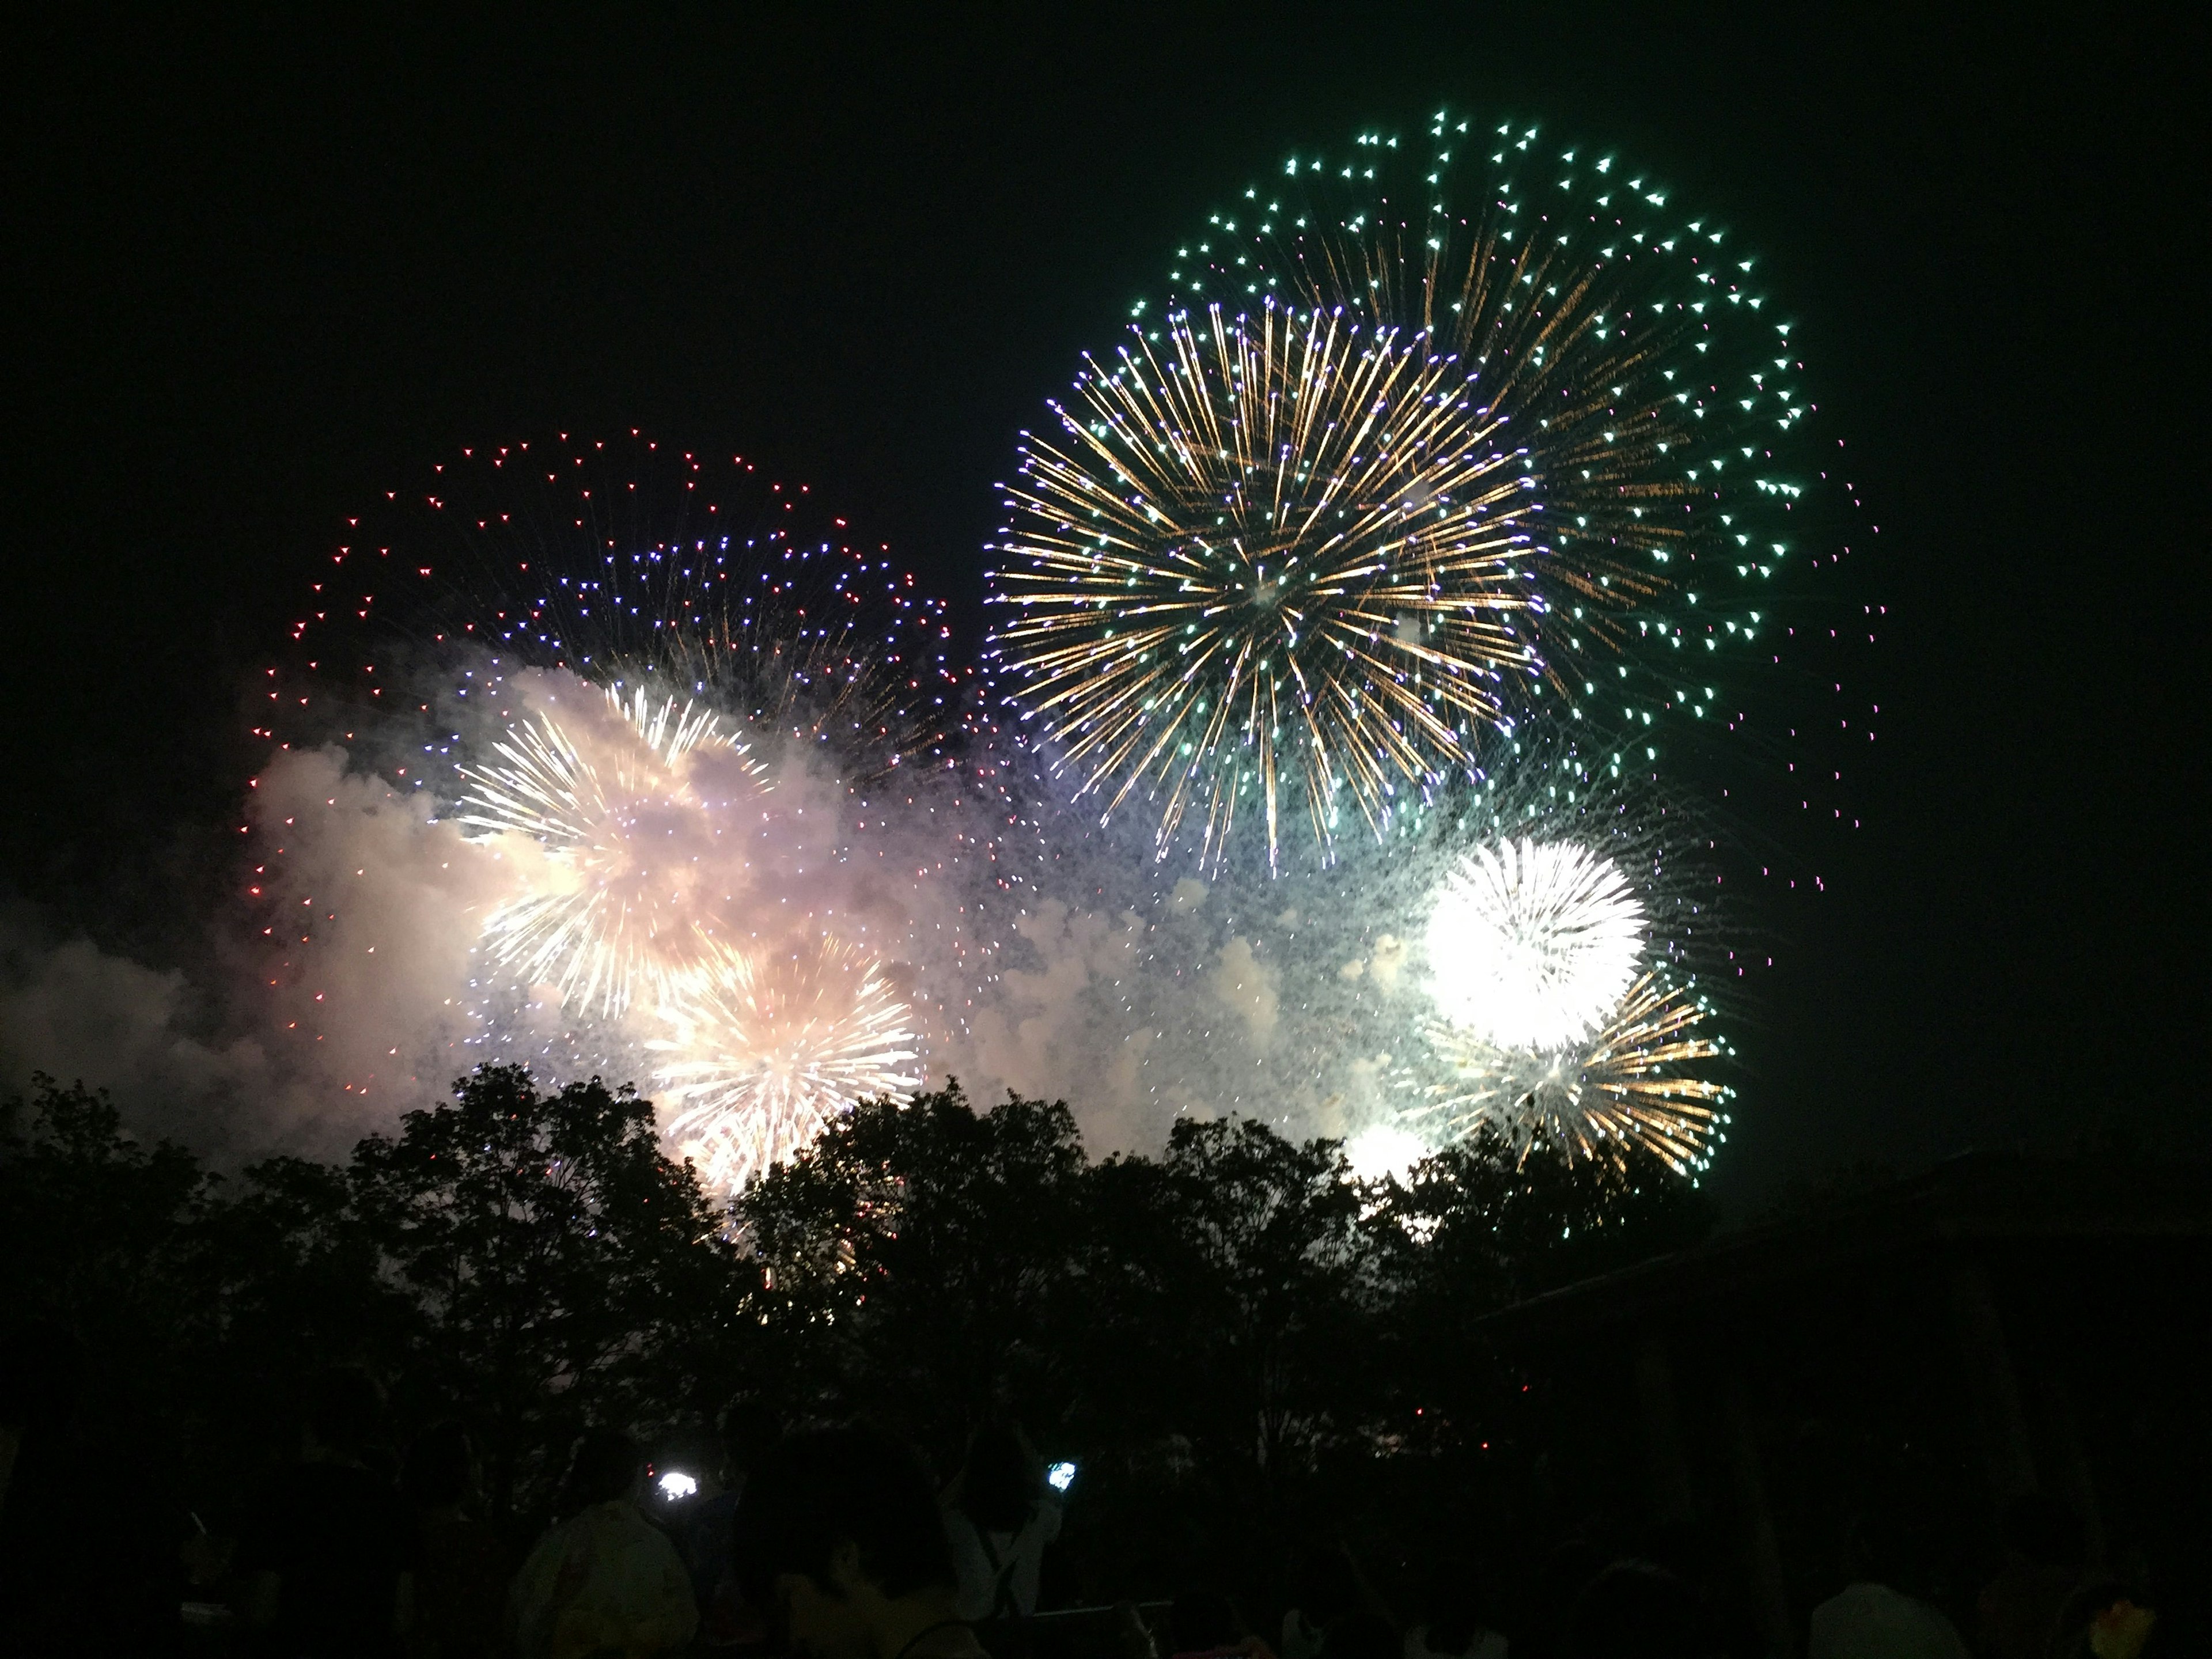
[260,272]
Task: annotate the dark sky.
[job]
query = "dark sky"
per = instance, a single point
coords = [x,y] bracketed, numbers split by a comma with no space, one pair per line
[259,270]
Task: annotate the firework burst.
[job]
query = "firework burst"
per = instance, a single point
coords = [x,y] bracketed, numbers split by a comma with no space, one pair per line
[1531,944]
[1625,1086]
[1428,441]
[592,657]
[622,914]
[1275,557]
[766,1047]
[623,560]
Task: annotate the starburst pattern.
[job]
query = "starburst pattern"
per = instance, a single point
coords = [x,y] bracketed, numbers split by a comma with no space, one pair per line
[1275,556]
[1626,1086]
[1427,441]
[623,560]
[616,811]
[766,1047]
[1531,944]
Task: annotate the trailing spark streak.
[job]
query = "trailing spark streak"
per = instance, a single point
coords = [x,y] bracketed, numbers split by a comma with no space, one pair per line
[1277,556]
[1429,443]
[623,916]
[1622,1088]
[766,1047]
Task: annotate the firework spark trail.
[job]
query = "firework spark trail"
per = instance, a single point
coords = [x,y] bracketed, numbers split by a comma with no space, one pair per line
[518,583]
[1531,944]
[1625,1087]
[765,1046]
[1283,545]
[620,561]
[621,920]
[1351,516]
[1418,449]
[1127,994]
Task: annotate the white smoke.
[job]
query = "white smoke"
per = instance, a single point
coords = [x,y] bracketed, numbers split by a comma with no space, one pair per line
[352,983]
[80,1014]
[328,1015]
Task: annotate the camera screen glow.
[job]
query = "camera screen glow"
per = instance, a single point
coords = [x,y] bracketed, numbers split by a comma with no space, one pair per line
[677,1484]
[1060,1476]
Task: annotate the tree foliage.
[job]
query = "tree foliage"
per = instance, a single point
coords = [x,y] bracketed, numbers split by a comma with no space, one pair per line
[922,1263]
[1217,1327]
[561,1269]
[1222,1330]
[529,1261]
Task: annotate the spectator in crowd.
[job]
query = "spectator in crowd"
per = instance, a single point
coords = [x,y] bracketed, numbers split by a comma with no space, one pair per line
[325,1554]
[15,1416]
[688,1479]
[2101,1620]
[1363,1635]
[1328,1591]
[604,1580]
[1460,1623]
[38,1384]
[1870,1618]
[1205,1624]
[461,1567]
[1634,1610]
[705,1528]
[2019,1608]
[841,1534]
[1128,1636]
[1000,1516]
[1544,1604]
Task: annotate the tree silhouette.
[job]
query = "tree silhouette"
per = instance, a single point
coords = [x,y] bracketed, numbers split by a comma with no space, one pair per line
[920,1264]
[1234,1328]
[565,1270]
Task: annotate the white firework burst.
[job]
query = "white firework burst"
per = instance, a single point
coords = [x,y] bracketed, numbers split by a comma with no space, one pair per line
[1531,944]
[624,808]
[766,1047]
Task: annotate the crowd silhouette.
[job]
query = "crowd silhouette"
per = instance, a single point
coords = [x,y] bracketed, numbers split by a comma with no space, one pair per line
[507,1383]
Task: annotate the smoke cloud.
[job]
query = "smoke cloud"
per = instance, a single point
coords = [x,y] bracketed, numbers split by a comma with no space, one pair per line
[349,979]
